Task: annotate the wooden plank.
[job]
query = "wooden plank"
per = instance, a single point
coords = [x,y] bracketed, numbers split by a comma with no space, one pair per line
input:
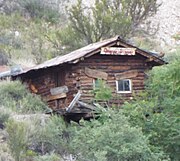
[74,101]
[33,88]
[95,73]
[56,97]
[91,107]
[127,74]
[59,90]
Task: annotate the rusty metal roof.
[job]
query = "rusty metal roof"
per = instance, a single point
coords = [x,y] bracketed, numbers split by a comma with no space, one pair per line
[77,55]
[4,68]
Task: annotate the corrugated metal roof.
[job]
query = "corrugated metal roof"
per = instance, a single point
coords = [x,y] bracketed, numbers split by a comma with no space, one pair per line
[73,57]
[6,71]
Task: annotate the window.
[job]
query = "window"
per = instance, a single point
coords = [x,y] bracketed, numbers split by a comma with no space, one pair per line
[123,86]
[96,83]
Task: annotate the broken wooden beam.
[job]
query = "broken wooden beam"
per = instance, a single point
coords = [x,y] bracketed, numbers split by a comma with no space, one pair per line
[74,101]
[96,73]
[88,106]
[126,74]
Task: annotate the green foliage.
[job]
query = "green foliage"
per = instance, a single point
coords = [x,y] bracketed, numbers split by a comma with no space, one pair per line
[144,41]
[48,157]
[177,36]
[102,91]
[107,18]
[162,129]
[33,41]
[4,116]
[157,111]
[173,56]
[50,136]
[15,96]
[40,10]
[165,81]
[111,139]
[5,152]
[17,138]
[65,35]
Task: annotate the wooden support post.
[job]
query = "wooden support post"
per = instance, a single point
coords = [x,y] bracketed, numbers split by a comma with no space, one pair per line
[74,101]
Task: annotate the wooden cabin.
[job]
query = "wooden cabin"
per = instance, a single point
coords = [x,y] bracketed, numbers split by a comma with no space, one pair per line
[121,65]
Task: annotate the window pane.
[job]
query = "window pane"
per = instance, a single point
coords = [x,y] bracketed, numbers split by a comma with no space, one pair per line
[120,85]
[96,84]
[126,85]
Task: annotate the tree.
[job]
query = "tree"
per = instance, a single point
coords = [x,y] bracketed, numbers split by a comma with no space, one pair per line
[17,138]
[110,138]
[157,111]
[107,18]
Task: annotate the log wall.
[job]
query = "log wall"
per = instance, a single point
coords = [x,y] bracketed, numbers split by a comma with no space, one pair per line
[112,65]
[75,78]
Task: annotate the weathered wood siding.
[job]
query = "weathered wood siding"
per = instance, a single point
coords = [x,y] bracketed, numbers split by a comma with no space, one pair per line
[74,77]
[112,65]
[45,80]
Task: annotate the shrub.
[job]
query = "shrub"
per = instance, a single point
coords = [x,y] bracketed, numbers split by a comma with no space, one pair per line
[110,139]
[38,9]
[4,116]
[4,153]
[102,91]
[48,157]
[14,95]
[50,136]
[17,138]
[157,112]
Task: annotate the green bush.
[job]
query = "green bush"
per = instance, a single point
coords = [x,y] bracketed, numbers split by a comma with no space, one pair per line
[4,116]
[14,95]
[17,138]
[157,111]
[38,9]
[50,136]
[48,157]
[110,139]
[102,92]
[5,153]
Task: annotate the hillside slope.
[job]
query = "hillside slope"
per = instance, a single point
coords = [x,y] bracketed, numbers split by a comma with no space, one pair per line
[168,20]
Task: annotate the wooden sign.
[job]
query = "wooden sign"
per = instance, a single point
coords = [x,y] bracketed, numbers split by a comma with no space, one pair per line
[126,75]
[59,90]
[96,74]
[56,97]
[117,51]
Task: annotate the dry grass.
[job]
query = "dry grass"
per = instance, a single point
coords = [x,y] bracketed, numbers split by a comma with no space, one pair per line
[5,154]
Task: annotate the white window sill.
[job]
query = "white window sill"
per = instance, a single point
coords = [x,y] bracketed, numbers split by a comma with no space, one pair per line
[124,92]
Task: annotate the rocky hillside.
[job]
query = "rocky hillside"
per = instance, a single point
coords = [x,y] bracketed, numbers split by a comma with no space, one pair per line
[21,36]
[168,21]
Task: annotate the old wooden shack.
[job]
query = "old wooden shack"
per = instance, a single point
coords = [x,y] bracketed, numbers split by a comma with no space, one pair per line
[122,65]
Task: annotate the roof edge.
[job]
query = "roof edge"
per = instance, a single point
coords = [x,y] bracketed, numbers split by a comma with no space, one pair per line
[89,50]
